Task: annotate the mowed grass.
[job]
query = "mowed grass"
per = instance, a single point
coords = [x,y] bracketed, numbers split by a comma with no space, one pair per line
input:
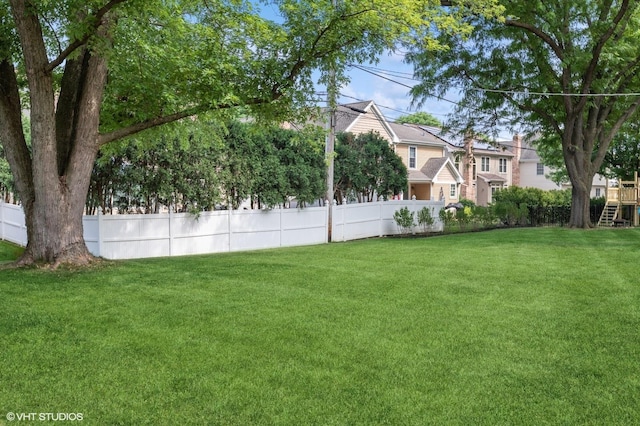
[525,326]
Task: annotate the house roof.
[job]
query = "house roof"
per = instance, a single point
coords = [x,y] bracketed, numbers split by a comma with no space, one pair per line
[490,177]
[418,176]
[433,166]
[348,113]
[456,143]
[410,133]
[431,170]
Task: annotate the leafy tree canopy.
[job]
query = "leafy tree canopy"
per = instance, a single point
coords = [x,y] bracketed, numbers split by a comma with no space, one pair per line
[92,72]
[420,117]
[564,70]
[366,167]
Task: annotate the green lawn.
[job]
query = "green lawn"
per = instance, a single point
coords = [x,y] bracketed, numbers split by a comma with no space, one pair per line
[524,326]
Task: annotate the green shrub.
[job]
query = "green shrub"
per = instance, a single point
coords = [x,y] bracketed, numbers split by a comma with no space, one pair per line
[425,218]
[404,220]
[484,216]
[447,218]
[463,217]
[512,214]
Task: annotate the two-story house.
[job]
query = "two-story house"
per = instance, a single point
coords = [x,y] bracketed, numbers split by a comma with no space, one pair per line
[432,175]
[486,166]
[531,172]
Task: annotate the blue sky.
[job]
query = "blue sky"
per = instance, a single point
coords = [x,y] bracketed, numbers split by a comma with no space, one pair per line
[389,89]
[392,98]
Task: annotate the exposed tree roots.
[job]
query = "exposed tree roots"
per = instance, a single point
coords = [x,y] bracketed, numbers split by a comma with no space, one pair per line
[74,256]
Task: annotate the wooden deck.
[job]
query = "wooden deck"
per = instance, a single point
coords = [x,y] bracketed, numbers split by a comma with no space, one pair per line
[626,194]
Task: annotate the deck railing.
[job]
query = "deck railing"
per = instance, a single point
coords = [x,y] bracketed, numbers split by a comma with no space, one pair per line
[622,195]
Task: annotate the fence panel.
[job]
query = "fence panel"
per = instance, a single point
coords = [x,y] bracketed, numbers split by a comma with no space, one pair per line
[134,236]
[303,227]
[12,227]
[358,220]
[158,235]
[206,233]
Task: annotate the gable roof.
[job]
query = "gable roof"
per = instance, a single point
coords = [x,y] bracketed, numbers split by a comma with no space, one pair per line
[413,134]
[455,143]
[433,170]
[361,117]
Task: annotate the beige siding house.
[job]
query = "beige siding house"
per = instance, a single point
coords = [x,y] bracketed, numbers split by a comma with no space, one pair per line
[431,173]
[486,167]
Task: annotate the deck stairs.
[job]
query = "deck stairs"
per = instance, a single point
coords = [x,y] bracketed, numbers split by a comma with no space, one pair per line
[610,212]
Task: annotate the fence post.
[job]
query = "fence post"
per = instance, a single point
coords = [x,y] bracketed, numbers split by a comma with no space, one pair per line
[229,222]
[380,203]
[281,230]
[1,220]
[100,243]
[171,218]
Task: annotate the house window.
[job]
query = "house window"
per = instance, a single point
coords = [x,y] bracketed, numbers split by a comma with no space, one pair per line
[475,171]
[597,192]
[453,191]
[484,165]
[539,169]
[503,165]
[412,157]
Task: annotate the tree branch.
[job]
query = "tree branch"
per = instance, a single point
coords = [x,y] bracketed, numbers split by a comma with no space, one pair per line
[597,50]
[97,18]
[540,34]
[106,138]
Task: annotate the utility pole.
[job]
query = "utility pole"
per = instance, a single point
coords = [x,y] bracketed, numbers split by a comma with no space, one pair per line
[332,95]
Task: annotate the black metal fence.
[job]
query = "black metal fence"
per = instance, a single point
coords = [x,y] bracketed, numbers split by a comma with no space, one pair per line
[558,215]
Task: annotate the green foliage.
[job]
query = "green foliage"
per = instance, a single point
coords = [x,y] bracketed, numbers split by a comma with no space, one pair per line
[512,214]
[484,217]
[622,160]
[447,218]
[366,167]
[530,70]
[467,203]
[6,178]
[199,172]
[404,220]
[420,117]
[463,217]
[425,218]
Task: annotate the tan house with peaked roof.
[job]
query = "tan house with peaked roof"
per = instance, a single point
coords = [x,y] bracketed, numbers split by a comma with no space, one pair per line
[431,173]
[486,167]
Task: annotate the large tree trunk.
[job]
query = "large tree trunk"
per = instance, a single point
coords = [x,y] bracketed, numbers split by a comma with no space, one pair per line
[52,180]
[577,150]
[580,207]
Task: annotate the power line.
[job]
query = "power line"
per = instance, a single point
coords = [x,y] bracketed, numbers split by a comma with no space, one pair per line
[399,74]
[400,83]
[405,112]
[528,93]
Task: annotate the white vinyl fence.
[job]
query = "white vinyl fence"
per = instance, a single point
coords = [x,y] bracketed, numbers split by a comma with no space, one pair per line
[176,234]
[12,224]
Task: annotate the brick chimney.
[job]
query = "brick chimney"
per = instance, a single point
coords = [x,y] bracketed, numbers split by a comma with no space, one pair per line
[468,190]
[515,162]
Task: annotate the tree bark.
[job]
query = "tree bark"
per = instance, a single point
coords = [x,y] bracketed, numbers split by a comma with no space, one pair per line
[577,146]
[52,181]
[580,207]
